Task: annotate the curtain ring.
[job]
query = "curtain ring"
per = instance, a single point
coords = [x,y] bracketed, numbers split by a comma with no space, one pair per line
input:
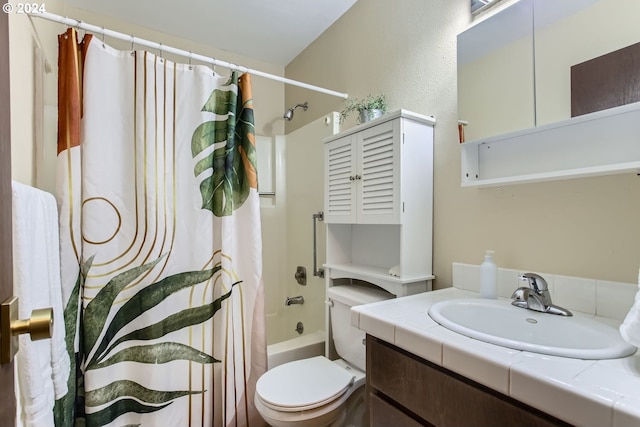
[133,49]
[68,26]
[213,65]
[103,37]
[161,53]
[190,58]
[78,24]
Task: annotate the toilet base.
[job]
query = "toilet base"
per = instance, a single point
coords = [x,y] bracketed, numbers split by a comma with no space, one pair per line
[351,414]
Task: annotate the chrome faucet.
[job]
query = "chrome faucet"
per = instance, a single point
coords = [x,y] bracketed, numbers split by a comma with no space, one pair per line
[536,297]
[294,300]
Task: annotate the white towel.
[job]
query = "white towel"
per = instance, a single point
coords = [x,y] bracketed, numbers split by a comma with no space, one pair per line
[630,328]
[43,366]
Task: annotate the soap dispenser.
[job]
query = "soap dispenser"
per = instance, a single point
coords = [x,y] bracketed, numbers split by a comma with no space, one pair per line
[489,277]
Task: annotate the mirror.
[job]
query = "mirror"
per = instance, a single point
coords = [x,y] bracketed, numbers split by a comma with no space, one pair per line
[514,68]
[495,73]
[568,33]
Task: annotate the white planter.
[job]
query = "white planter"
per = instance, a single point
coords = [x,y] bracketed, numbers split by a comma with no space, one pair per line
[368,115]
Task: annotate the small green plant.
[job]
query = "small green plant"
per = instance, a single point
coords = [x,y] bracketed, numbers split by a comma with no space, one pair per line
[368,103]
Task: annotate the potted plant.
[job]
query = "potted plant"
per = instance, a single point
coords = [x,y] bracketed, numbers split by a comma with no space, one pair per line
[370,107]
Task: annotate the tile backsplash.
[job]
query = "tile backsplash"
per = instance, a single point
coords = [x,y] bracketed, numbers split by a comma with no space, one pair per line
[590,296]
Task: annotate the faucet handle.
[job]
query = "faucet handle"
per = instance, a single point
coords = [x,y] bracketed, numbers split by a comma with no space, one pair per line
[536,282]
[521,294]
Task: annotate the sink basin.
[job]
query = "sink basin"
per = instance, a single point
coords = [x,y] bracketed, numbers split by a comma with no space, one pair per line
[498,322]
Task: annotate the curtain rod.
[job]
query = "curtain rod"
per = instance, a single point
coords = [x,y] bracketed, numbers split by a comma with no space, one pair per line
[163,48]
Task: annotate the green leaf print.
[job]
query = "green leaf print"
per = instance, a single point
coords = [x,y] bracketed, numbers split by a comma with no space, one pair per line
[98,309]
[227,148]
[113,347]
[188,317]
[145,299]
[157,354]
[63,410]
[117,389]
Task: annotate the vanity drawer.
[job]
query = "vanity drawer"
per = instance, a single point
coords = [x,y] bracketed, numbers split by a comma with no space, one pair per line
[438,396]
[383,414]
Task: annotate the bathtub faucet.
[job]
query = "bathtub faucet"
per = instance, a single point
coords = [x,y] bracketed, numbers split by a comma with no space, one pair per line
[294,300]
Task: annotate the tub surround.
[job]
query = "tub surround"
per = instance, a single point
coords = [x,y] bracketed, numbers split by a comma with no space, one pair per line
[580,392]
[302,347]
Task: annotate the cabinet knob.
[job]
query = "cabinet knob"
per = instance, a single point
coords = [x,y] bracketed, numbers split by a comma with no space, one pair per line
[352,178]
[358,177]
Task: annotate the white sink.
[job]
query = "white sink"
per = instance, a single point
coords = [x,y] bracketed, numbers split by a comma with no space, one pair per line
[498,322]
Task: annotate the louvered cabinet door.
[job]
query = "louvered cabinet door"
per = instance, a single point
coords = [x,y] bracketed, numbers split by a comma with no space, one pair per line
[378,174]
[340,181]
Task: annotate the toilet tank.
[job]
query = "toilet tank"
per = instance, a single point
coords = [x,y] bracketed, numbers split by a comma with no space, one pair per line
[349,340]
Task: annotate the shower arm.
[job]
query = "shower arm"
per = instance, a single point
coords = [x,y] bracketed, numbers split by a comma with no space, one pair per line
[289,113]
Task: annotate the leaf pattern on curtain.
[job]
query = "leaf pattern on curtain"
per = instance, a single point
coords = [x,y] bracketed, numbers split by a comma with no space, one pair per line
[125,396]
[120,318]
[232,163]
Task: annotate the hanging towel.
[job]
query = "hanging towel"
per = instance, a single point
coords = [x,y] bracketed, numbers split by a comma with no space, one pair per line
[43,366]
[630,328]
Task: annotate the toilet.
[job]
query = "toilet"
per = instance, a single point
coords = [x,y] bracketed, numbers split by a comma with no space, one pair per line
[312,392]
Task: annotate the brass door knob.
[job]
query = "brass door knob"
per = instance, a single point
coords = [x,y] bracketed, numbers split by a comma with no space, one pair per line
[39,326]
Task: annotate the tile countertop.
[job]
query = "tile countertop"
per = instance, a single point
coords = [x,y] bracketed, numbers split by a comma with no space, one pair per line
[597,393]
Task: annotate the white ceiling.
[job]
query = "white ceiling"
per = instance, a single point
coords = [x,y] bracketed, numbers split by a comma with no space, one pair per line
[274,31]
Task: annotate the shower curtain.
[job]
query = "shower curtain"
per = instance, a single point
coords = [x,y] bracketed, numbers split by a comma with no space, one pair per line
[160,240]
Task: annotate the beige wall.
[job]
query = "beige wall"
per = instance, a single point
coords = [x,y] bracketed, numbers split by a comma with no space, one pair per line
[584,227]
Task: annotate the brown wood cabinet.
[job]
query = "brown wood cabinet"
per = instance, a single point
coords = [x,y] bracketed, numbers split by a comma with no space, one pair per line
[404,390]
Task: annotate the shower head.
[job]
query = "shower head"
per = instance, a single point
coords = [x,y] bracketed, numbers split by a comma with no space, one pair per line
[289,114]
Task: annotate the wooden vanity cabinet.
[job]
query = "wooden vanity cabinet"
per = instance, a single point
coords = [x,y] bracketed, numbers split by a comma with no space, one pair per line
[404,390]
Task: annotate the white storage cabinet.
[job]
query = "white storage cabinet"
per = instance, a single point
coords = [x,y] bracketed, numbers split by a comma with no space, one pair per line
[379,202]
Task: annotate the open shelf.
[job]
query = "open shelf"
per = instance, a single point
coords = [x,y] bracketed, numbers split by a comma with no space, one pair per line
[379,276]
[601,143]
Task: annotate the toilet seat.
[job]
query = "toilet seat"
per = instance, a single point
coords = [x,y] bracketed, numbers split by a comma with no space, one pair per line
[303,385]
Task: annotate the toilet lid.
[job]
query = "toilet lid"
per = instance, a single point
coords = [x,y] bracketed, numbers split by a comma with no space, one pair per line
[303,384]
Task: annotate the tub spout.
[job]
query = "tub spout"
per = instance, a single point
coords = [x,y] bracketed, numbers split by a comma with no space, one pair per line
[294,300]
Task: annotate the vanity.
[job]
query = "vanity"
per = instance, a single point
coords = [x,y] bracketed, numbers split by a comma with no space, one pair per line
[436,396]
[420,373]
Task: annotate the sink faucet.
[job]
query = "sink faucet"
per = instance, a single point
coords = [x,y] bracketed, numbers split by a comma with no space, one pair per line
[536,297]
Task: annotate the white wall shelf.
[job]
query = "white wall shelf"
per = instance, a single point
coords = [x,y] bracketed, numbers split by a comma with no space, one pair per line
[601,143]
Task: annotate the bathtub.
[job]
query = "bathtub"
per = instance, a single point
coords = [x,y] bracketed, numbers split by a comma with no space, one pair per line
[301,347]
